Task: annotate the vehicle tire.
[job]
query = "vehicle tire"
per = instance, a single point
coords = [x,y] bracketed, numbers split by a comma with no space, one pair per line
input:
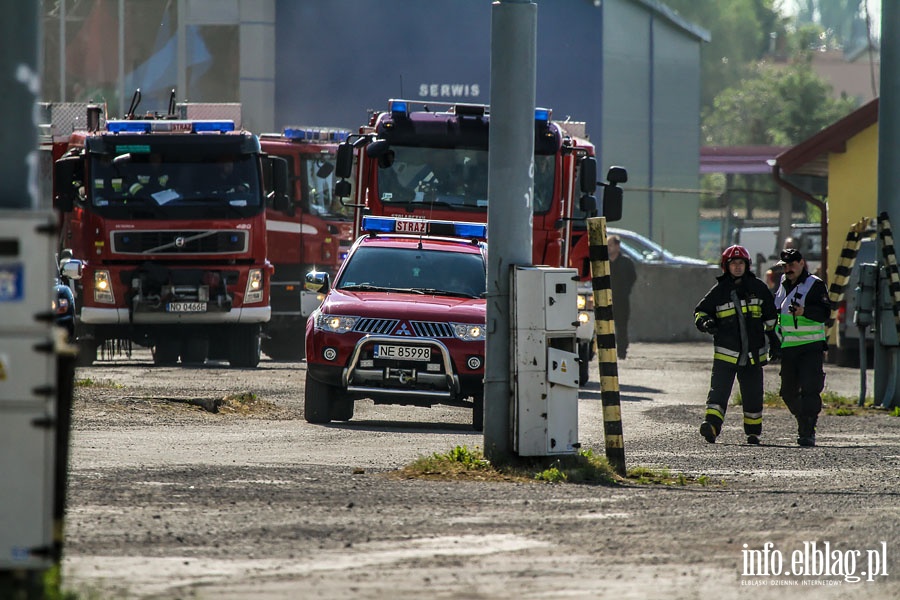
[87,353]
[165,351]
[244,347]
[478,413]
[584,363]
[195,350]
[288,346]
[317,399]
[341,408]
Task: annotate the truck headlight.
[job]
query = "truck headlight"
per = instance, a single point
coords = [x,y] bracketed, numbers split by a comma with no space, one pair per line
[335,323]
[584,318]
[585,302]
[103,288]
[468,332]
[254,292]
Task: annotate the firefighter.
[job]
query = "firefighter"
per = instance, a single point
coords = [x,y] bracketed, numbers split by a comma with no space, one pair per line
[803,307]
[153,180]
[739,312]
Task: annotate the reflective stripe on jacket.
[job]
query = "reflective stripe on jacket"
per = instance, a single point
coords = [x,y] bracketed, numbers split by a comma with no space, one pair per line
[797,330]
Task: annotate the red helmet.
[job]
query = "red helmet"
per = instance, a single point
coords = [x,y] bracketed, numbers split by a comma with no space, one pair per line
[733,252]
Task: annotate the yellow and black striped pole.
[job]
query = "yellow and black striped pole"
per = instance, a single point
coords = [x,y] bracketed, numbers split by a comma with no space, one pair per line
[838,287]
[890,259]
[605,332]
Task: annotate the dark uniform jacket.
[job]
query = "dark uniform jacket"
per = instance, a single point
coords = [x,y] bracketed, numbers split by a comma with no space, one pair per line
[749,297]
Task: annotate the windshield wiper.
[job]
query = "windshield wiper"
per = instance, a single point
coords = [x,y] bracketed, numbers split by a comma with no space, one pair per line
[440,292]
[365,287]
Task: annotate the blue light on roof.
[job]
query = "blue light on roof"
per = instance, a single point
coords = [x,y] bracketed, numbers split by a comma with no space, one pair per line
[315,134]
[213,126]
[399,108]
[471,230]
[378,224]
[128,126]
[462,229]
[542,114]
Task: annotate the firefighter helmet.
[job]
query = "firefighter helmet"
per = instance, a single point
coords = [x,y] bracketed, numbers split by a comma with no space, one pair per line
[733,252]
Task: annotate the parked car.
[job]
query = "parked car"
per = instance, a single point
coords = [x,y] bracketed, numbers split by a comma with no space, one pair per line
[403,322]
[846,352]
[644,250]
[761,242]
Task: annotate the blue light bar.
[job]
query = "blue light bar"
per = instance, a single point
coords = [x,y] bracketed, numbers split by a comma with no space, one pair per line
[542,114]
[461,229]
[471,230]
[399,108]
[315,134]
[128,126]
[213,126]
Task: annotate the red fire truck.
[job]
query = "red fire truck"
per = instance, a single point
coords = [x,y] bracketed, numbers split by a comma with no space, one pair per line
[432,163]
[166,213]
[315,235]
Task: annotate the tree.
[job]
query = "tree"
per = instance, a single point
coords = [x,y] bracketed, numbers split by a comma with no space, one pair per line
[776,105]
[741,33]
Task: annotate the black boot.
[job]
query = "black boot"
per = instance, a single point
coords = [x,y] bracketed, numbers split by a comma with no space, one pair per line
[806,431]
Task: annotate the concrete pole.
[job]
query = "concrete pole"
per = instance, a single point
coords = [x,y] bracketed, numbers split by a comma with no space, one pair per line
[887,359]
[510,189]
[21,83]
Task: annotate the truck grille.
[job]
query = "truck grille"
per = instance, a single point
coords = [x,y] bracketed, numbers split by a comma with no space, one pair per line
[180,242]
[382,326]
[434,330]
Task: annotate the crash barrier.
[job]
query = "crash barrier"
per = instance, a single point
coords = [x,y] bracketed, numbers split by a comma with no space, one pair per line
[605,332]
[663,301]
[838,286]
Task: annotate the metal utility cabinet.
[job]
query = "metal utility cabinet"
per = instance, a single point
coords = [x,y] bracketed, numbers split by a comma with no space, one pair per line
[545,360]
[27,390]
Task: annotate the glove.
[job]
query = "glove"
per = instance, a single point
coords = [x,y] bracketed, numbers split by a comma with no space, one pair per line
[774,347]
[707,325]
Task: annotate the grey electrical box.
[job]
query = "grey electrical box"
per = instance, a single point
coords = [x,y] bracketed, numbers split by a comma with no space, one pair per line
[545,360]
[27,389]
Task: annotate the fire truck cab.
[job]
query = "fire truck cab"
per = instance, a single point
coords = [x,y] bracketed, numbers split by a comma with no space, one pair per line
[166,214]
[430,160]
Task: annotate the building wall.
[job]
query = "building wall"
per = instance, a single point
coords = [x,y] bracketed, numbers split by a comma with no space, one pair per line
[600,63]
[852,188]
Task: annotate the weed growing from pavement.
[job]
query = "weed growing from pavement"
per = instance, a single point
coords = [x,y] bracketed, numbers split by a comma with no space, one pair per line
[584,467]
[88,382]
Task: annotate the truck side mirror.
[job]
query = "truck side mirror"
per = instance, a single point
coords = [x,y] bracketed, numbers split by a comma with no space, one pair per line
[344,160]
[317,281]
[612,202]
[280,201]
[617,175]
[588,205]
[68,176]
[343,189]
[587,177]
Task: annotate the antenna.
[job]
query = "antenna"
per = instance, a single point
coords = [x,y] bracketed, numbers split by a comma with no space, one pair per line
[401,86]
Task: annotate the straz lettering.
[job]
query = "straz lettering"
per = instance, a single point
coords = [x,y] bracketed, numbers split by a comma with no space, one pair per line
[411,227]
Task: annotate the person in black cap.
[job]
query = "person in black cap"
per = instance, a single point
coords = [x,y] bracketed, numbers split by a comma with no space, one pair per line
[803,307]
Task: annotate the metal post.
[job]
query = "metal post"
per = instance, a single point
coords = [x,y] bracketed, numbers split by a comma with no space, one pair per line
[605,331]
[510,189]
[887,365]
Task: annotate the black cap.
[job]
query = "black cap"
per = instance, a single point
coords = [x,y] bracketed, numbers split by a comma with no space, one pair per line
[790,255]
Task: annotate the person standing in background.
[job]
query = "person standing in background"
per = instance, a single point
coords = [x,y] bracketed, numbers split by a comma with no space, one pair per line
[622,276]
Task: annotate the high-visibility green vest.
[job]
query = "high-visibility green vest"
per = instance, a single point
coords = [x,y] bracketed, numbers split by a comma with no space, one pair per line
[797,331]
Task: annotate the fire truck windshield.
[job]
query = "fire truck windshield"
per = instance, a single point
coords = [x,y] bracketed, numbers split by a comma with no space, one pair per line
[153,185]
[317,182]
[455,177]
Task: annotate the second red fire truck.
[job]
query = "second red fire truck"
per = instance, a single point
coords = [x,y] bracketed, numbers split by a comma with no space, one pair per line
[315,234]
[429,161]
